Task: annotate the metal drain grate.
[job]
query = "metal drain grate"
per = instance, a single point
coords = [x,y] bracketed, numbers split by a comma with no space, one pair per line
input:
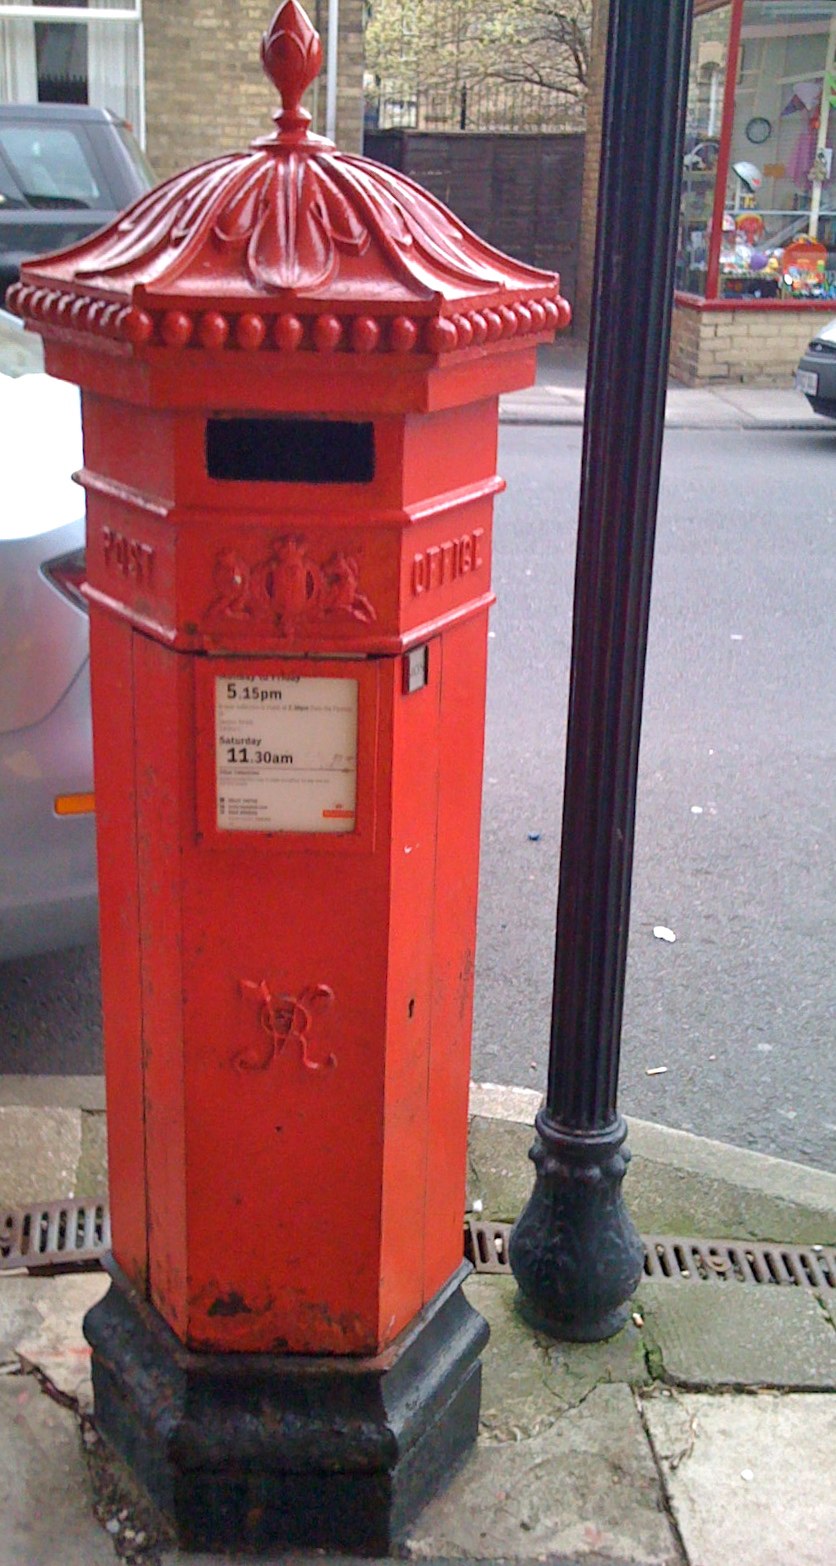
[60,1236]
[697,1261]
[54,1236]
[740,1261]
[486,1245]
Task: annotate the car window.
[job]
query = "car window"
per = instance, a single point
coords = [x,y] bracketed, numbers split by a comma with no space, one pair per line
[828,332]
[21,352]
[51,165]
[136,154]
[9,193]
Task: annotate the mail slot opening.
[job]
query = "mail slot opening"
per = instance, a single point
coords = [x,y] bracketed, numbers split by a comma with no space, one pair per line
[290,451]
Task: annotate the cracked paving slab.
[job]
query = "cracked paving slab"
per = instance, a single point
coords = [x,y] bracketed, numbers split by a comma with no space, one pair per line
[45,1498]
[704,1335]
[41,1325]
[563,1466]
[587,1488]
[528,1380]
[748,1473]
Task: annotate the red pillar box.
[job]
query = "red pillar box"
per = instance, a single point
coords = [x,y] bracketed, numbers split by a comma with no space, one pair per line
[290,361]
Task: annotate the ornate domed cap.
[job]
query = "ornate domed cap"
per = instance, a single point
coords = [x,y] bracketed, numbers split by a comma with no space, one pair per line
[290,245]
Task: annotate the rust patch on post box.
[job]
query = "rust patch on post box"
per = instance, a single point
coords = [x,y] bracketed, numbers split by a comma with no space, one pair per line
[230,1304]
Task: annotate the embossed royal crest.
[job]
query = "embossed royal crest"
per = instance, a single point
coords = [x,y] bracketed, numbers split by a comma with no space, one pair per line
[289,588]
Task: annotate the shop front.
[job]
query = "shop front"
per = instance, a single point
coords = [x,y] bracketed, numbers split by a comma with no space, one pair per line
[756,259]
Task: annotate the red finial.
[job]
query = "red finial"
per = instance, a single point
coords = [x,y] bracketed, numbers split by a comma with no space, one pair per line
[291,53]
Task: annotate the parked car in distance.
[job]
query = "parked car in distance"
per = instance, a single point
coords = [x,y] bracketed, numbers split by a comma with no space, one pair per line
[65,171]
[48,894]
[816,373]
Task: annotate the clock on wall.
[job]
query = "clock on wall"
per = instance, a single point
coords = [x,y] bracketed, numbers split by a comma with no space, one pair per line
[758,130]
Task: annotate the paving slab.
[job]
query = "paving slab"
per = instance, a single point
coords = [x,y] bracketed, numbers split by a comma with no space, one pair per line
[543,405]
[677,1183]
[528,1380]
[63,1092]
[737,1335]
[45,1498]
[588,1488]
[91,1175]
[517,1401]
[500,1173]
[39,1153]
[750,1479]
[697,408]
[40,1324]
[769,404]
[19,1316]
[722,406]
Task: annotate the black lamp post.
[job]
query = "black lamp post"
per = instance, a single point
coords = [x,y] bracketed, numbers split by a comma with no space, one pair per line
[574,1251]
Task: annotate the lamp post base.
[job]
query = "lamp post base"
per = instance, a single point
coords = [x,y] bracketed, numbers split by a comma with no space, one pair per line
[578,1329]
[574,1250]
[252,1452]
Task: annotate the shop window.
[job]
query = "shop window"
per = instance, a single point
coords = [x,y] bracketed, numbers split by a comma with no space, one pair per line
[771,234]
[706,85]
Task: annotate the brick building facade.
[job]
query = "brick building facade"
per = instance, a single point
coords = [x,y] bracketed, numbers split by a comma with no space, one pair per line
[592,163]
[186,76]
[205,91]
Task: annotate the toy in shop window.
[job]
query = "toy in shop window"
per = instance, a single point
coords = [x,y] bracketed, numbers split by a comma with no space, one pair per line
[803,265]
[751,226]
[749,180]
[748,272]
[734,258]
[701,156]
[737,242]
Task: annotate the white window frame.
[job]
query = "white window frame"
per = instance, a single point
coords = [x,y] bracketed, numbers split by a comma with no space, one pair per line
[85,15]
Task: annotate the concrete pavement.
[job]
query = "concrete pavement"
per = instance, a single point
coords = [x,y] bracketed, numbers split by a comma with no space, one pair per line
[558,398]
[698,407]
[704,1432]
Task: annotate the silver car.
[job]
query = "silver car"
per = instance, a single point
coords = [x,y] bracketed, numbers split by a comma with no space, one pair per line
[47,849]
[816,373]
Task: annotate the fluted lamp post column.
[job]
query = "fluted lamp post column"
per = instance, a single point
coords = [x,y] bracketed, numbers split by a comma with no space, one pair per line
[575,1252]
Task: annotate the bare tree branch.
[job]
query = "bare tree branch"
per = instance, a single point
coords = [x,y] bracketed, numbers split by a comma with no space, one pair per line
[456,46]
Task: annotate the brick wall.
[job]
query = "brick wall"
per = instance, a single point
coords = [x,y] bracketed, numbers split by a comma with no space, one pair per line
[592,163]
[748,347]
[205,91]
[685,345]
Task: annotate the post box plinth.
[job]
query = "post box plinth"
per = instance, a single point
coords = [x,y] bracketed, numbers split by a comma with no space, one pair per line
[290,364]
[254,1451]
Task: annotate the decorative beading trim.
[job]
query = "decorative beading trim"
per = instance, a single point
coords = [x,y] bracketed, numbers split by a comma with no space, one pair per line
[253,331]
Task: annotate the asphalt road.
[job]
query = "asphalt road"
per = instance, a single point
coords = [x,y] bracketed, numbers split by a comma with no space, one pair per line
[734,848]
[735,828]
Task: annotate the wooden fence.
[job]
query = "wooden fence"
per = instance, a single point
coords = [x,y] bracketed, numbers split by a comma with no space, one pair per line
[520,192]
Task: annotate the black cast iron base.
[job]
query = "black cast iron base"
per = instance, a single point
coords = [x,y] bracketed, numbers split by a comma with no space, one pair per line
[574,1250]
[252,1451]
